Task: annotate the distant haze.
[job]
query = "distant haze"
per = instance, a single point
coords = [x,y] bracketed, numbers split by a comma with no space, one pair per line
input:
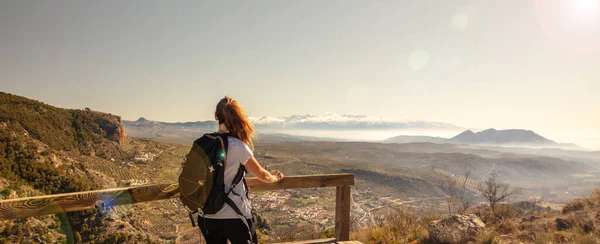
[335,127]
[510,64]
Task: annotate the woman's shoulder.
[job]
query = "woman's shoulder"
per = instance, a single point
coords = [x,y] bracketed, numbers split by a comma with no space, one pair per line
[236,142]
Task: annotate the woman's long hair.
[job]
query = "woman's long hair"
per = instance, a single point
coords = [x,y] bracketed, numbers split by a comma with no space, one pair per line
[230,113]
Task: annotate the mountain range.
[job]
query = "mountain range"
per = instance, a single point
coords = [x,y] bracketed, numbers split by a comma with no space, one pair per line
[491,137]
[274,129]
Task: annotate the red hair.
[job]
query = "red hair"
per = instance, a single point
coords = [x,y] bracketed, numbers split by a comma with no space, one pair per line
[230,113]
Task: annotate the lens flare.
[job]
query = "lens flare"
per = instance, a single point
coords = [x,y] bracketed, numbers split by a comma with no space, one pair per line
[418,59]
[460,21]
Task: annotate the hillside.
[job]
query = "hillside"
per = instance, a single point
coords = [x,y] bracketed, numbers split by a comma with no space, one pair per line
[49,150]
[60,129]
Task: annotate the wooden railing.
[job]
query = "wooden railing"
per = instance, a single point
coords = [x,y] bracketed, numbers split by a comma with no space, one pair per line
[77,201]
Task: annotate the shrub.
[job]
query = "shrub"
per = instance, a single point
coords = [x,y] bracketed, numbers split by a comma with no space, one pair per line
[575,205]
[507,211]
[507,227]
[488,236]
[328,233]
[401,226]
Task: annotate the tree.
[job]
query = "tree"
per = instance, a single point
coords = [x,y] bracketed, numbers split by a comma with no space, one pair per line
[464,201]
[495,191]
[458,199]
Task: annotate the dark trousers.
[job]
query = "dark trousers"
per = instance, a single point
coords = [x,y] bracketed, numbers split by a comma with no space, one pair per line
[218,231]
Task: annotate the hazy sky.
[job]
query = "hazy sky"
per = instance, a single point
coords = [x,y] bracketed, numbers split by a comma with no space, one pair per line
[478,64]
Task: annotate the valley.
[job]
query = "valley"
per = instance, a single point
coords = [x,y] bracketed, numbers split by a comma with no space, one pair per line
[96,151]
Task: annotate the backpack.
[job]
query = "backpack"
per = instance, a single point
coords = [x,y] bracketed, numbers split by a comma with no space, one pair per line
[201,182]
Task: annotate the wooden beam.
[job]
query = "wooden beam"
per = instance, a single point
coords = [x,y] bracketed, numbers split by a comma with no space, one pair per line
[342,213]
[319,241]
[305,181]
[77,201]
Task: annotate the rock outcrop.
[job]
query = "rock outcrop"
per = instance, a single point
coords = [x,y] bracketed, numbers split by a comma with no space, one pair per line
[112,125]
[456,229]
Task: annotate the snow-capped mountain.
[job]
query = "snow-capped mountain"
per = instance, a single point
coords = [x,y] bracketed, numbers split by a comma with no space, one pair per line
[332,121]
[347,127]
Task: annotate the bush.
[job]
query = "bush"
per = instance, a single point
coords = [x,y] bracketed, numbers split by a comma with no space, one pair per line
[502,211]
[575,205]
[488,236]
[328,233]
[507,211]
[507,227]
[402,226]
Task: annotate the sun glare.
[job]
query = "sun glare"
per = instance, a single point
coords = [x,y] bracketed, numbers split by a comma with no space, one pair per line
[573,25]
[587,8]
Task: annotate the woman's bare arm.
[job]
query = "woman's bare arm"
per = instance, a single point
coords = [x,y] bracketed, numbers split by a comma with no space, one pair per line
[262,174]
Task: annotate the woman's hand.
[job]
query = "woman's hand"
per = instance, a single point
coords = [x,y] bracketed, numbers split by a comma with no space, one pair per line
[278,175]
[262,174]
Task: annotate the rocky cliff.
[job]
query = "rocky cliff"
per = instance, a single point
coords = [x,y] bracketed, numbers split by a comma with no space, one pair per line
[111,125]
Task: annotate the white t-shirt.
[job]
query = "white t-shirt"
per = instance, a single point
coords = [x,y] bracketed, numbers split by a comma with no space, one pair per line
[237,153]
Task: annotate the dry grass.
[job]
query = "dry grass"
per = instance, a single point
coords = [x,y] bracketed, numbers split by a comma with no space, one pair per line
[403,226]
[489,236]
[508,225]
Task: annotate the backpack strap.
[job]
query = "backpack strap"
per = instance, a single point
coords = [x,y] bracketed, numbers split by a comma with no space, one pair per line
[251,230]
[240,176]
[246,185]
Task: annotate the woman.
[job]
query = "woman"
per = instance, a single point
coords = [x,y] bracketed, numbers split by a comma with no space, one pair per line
[226,224]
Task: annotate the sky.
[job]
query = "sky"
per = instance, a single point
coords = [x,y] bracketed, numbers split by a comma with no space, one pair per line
[526,64]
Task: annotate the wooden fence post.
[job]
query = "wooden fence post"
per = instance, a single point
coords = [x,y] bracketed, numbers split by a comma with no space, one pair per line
[342,213]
